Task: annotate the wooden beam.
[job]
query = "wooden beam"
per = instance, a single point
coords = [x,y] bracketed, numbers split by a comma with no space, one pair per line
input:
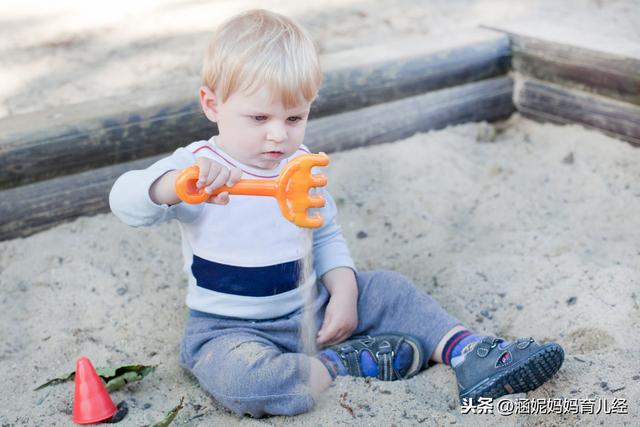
[35,207]
[81,137]
[376,74]
[489,99]
[30,208]
[558,104]
[585,61]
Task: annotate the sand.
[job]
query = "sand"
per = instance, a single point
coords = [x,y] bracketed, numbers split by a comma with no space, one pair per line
[517,229]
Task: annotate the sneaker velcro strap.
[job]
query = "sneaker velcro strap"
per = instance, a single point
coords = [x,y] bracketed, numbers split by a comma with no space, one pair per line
[384,355]
[351,359]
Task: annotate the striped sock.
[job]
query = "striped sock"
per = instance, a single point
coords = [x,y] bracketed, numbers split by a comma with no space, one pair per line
[331,363]
[457,343]
[368,366]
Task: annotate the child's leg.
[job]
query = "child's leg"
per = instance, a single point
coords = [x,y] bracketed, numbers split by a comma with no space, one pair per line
[484,366]
[389,302]
[249,374]
[402,321]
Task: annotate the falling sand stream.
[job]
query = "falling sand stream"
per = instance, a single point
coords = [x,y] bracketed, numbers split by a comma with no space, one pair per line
[308,328]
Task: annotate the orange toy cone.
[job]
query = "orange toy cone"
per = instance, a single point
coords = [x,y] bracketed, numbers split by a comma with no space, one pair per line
[91,402]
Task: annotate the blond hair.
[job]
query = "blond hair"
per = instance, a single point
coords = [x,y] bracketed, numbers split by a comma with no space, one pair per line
[259,47]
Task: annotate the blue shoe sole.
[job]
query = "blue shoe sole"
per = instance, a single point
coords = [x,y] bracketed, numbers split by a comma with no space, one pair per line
[527,375]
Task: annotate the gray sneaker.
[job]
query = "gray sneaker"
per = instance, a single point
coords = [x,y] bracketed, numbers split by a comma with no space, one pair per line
[495,367]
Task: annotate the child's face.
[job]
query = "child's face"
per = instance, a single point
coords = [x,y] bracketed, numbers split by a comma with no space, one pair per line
[256,129]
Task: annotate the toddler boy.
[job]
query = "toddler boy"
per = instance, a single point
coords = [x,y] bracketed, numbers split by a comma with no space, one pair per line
[244,261]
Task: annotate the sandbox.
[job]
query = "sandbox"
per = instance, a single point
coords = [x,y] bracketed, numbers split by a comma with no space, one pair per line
[518,228]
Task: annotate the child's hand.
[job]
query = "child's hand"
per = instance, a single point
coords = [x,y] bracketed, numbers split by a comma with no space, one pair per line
[213,175]
[340,319]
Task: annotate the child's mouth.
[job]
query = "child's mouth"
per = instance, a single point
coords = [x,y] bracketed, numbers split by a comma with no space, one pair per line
[273,154]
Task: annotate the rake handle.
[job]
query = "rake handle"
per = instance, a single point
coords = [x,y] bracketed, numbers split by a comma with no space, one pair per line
[189,193]
[290,189]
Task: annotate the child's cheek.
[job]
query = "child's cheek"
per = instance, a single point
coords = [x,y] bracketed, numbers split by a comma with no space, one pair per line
[298,131]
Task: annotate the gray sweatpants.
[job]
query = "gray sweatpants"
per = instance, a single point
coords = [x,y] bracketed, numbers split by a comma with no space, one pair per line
[258,367]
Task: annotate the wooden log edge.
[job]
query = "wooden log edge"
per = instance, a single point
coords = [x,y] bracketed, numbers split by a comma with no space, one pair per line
[38,206]
[86,136]
[489,99]
[587,62]
[554,103]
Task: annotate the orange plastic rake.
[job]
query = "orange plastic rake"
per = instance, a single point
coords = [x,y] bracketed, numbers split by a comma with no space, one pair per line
[290,188]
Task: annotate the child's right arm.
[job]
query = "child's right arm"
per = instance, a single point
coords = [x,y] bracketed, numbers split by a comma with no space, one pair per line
[212,176]
[147,196]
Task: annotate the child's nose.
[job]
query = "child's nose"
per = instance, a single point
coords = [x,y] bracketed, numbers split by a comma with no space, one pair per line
[276,132]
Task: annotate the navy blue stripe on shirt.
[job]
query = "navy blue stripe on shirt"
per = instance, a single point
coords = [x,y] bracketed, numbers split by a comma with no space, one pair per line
[246,281]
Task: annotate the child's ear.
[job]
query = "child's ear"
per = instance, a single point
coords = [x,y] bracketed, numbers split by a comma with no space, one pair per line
[209,103]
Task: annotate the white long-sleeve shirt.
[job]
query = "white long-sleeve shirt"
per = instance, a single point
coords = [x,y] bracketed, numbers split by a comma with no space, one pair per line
[243,259]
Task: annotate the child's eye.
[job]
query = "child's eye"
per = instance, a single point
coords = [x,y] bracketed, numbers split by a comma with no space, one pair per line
[259,118]
[294,119]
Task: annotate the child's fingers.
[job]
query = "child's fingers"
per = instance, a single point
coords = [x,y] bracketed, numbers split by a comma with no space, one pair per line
[321,336]
[220,199]
[322,339]
[327,335]
[218,181]
[234,176]
[336,338]
[333,335]
[204,166]
[214,170]
[327,341]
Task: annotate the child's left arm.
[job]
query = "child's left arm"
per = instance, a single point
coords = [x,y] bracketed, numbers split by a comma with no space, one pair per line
[341,314]
[333,264]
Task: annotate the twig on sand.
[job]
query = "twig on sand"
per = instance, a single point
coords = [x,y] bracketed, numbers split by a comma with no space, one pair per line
[342,402]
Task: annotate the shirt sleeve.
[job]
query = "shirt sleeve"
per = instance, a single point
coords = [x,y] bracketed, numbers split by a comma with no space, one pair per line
[130,201]
[329,246]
